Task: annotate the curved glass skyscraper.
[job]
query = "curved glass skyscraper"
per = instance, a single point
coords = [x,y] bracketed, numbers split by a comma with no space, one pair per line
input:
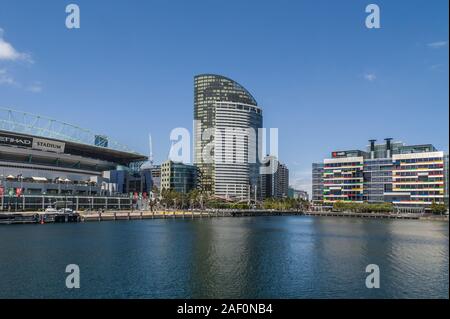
[227,119]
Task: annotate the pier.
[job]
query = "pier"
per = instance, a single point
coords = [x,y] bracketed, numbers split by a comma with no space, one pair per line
[98,216]
[90,216]
[38,218]
[128,215]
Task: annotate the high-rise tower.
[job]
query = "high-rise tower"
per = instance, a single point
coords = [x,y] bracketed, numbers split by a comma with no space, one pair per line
[228,118]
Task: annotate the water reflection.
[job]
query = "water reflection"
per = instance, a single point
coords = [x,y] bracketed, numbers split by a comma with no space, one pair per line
[273,257]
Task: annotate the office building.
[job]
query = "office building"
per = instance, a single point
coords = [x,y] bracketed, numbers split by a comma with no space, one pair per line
[409,176]
[343,177]
[129,180]
[179,177]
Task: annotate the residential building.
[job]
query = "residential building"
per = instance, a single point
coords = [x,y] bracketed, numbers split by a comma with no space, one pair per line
[275,182]
[229,117]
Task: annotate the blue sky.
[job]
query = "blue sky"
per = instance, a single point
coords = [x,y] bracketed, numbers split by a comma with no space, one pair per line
[324,79]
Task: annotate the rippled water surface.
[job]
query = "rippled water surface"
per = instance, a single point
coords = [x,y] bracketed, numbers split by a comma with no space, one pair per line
[254,257]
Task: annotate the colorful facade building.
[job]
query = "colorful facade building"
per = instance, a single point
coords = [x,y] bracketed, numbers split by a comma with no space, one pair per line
[418,179]
[409,176]
[343,178]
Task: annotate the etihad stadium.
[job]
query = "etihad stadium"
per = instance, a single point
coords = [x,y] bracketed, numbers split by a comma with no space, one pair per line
[44,161]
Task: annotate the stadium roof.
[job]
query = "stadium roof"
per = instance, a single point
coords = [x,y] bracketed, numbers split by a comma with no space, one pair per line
[40,126]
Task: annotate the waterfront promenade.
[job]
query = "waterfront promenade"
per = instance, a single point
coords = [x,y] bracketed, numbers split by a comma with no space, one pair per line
[97,216]
[87,216]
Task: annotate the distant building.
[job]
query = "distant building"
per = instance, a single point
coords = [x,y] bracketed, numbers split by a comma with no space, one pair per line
[155,172]
[298,194]
[409,176]
[178,176]
[317,182]
[274,183]
[446,182]
[129,181]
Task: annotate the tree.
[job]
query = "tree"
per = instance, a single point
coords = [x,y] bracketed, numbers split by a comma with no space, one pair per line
[438,209]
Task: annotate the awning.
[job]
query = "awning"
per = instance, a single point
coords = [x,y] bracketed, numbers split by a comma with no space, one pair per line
[39,179]
[67,180]
[10,177]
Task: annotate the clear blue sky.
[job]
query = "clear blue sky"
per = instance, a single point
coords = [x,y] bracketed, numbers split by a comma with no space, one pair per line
[320,76]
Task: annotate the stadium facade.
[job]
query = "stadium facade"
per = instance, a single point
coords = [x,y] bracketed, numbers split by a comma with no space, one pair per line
[42,159]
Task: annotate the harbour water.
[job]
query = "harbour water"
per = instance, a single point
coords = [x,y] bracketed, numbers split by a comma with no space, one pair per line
[247,257]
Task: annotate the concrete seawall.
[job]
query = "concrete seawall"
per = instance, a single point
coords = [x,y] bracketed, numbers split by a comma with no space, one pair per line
[92,216]
[128,215]
[379,215]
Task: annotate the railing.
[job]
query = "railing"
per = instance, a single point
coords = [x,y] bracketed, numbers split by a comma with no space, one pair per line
[78,203]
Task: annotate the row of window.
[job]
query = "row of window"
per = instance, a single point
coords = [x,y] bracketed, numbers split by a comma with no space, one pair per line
[419,186]
[333,165]
[429,166]
[406,173]
[419,160]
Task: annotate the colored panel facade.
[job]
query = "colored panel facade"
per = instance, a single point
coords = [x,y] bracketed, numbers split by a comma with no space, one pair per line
[419,177]
[343,179]
[408,176]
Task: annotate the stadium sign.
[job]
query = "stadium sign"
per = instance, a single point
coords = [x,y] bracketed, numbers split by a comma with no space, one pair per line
[48,146]
[13,140]
[35,143]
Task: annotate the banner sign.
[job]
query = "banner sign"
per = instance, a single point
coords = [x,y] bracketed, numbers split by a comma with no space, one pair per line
[48,146]
[13,140]
[35,143]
